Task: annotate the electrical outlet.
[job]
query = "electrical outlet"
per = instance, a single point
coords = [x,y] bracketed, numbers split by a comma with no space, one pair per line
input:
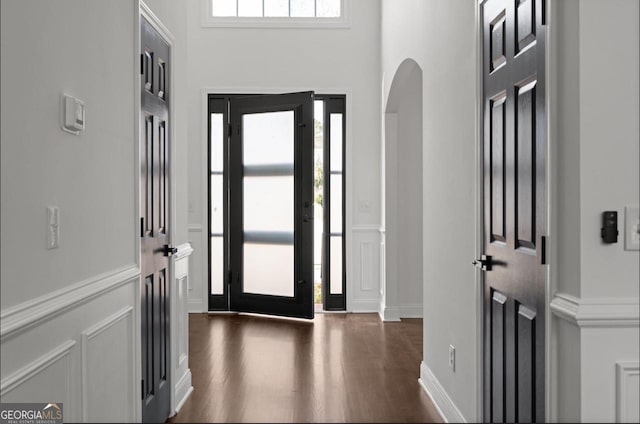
[452,357]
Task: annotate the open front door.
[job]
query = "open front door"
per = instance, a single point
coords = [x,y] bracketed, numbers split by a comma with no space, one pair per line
[271,205]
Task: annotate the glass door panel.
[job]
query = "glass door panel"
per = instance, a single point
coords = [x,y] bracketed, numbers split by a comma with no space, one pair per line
[271,198]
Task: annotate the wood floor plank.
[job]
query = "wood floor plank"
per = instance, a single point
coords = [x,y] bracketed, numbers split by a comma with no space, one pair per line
[337,368]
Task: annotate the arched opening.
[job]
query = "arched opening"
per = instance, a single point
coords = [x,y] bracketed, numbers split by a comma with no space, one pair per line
[402,196]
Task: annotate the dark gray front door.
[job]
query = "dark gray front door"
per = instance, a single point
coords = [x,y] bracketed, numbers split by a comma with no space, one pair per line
[271,204]
[515,145]
[154,155]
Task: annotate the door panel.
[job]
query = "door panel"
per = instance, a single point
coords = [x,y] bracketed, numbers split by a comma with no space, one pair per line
[271,205]
[154,128]
[514,209]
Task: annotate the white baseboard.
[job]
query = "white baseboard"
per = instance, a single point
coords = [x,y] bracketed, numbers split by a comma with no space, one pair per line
[389,314]
[183,390]
[443,403]
[411,310]
[196,307]
[364,306]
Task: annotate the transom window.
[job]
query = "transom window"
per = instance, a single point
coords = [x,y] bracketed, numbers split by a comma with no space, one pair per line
[276,13]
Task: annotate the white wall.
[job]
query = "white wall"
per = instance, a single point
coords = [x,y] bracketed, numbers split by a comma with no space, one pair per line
[62,309]
[440,36]
[325,60]
[84,49]
[409,188]
[596,143]
[402,212]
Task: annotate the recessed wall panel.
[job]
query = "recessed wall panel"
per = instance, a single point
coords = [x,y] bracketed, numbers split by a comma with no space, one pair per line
[526,165]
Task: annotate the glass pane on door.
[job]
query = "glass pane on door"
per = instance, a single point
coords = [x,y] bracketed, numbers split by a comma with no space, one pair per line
[268,203]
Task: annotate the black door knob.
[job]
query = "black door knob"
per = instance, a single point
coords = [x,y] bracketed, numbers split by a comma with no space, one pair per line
[168,250]
[485,263]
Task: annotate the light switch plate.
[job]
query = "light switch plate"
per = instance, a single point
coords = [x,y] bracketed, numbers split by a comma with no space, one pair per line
[72,114]
[53,227]
[631,228]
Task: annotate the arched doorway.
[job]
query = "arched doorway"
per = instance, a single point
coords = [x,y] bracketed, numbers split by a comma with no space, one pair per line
[402,196]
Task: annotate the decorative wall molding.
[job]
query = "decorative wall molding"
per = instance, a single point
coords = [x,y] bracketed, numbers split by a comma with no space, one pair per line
[20,318]
[626,372]
[30,370]
[92,333]
[184,250]
[597,312]
[194,228]
[444,404]
[365,229]
[366,266]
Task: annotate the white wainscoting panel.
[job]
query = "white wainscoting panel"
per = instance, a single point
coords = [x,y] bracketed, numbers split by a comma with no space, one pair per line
[628,392]
[363,275]
[198,270]
[181,374]
[47,379]
[108,375]
[77,346]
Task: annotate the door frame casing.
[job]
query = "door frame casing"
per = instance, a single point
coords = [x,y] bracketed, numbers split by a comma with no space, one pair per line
[551,214]
[348,161]
[141,11]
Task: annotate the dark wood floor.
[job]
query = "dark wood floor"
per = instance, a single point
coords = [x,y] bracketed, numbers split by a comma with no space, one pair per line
[338,368]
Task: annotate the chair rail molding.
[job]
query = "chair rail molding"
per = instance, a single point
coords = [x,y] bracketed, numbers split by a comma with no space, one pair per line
[19,318]
[597,312]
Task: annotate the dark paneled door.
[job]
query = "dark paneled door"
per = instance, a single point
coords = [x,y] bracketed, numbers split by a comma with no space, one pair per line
[514,209]
[271,205]
[154,155]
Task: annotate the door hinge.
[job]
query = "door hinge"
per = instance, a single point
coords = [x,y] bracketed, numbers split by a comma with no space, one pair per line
[543,12]
[543,251]
[141,63]
[230,133]
[230,277]
[142,388]
[141,227]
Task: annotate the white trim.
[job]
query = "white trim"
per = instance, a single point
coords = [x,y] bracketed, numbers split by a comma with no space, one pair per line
[194,228]
[137,201]
[624,370]
[442,401]
[597,312]
[210,21]
[25,373]
[183,390]
[389,314]
[479,221]
[364,306]
[184,251]
[91,333]
[24,316]
[365,229]
[411,310]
